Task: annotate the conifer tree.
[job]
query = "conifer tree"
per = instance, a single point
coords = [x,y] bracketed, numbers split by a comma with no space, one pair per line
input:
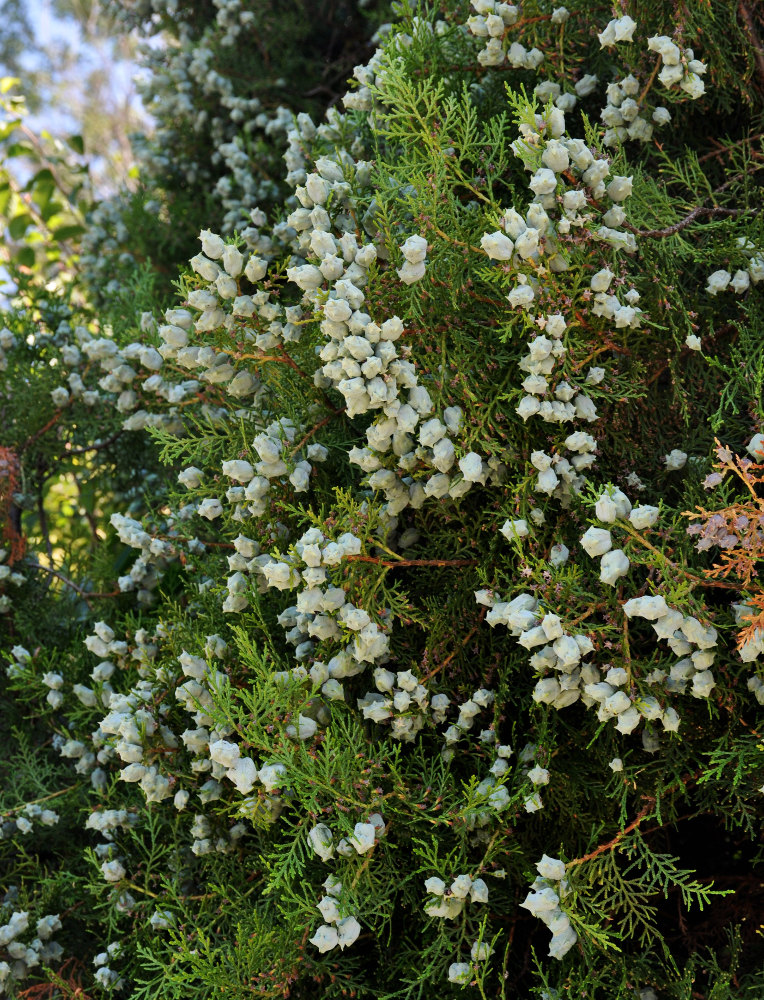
[417,644]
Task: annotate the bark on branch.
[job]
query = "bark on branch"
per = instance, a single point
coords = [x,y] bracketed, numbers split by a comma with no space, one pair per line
[696,213]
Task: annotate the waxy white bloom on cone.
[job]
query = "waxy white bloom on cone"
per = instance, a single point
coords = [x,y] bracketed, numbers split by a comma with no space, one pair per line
[497,246]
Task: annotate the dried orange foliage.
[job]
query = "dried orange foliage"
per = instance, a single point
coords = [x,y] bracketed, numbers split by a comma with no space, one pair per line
[67,985]
[755,620]
[737,530]
[9,534]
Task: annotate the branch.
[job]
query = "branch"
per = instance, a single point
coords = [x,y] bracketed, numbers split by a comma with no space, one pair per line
[85,594]
[146,892]
[721,149]
[696,213]
[46,427]
[686,351]
[312,431]
[642,814]
[449,239]
[51,165]
[43,518]
[458,649]
[93,447]
[411,562]
[44,798]
[650,82]
[758,48]
[634,534]
[282,357]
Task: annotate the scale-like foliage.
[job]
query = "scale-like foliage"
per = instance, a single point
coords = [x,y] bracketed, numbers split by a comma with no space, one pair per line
[384,602]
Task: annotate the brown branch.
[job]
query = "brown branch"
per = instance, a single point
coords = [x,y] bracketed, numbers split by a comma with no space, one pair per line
[312,431]
[589,611]
[85,594]
[46,427]
[643,812]
[754,732]
[756,45]
[721,150]
[459,648]
[457,243]
[696,213]
[650,82]
[687,351]
[10,512]
[473,295]
[282,358]
[411,562]
[626,649]
[289,360]
[93,447]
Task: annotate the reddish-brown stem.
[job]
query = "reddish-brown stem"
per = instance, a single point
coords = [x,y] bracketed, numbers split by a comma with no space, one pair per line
[411,562]
[37,434]
[643,812]
[756,45]
[312,431]
[650,82]
[721,150]
[462,644]
[288,360]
